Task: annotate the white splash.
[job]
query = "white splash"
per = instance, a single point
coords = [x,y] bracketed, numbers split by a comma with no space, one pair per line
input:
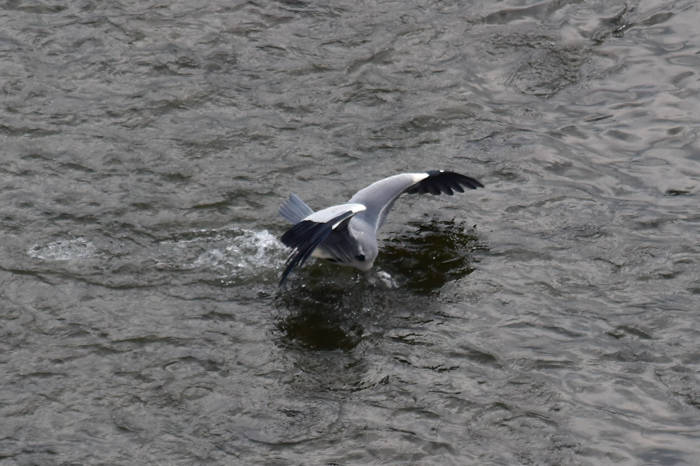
[386,280]
[253,250]
[63,250]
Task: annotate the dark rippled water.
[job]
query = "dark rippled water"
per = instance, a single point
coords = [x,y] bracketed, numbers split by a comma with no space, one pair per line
[551,318]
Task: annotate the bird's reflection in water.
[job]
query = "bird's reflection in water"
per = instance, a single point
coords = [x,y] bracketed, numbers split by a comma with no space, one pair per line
[322,314]
[327,307]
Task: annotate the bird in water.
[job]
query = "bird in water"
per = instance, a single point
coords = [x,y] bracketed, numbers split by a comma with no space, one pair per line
[346,234]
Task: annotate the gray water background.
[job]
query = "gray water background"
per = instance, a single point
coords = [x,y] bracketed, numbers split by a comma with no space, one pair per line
[550,318]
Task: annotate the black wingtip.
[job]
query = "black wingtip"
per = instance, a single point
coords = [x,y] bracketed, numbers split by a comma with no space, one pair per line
[286,273]
[444,182]
[304,238]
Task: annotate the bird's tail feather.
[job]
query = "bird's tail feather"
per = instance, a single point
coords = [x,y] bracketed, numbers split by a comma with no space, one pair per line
[294,209]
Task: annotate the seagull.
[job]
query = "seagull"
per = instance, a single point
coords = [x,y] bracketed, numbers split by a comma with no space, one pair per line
[346,234]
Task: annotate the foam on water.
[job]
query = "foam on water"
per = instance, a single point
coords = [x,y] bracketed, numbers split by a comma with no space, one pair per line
[230,254]
[63,250]
[252,250]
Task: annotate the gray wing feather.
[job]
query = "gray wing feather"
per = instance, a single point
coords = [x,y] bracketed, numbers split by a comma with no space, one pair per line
[379,197]
[307,235]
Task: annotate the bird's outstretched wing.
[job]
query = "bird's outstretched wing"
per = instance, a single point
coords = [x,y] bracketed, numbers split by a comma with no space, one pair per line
[306,235]
[379,197]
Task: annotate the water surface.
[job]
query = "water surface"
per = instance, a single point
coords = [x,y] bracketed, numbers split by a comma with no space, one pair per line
[550,318]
